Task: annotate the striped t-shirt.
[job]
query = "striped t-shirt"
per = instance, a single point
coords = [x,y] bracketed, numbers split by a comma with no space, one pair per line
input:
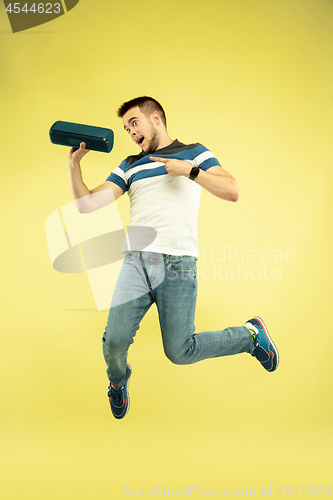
[161,205]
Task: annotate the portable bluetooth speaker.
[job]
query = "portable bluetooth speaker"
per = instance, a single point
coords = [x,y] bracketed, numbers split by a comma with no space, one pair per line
[72,134]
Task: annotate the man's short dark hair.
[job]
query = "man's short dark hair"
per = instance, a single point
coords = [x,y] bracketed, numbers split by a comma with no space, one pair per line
[146,104]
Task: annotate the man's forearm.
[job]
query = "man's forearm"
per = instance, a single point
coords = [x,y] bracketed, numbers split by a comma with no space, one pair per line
[222,186]
[78,187]
[80,191]
[87,201]
[219,183]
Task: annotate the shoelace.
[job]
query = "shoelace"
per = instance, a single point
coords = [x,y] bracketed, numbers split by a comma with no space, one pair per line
[260,353]
[116,395]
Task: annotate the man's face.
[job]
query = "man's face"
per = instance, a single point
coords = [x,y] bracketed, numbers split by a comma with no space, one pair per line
[142,130]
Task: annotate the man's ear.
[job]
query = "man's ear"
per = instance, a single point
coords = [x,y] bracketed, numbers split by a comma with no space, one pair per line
[156,117]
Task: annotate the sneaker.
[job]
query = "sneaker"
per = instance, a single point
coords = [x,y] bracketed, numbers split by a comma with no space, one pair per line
[119,398]
[264,348]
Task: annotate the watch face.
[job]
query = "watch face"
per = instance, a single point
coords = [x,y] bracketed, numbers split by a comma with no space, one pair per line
[194,173]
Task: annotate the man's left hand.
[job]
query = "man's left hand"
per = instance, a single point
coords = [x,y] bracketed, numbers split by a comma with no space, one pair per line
[174,167]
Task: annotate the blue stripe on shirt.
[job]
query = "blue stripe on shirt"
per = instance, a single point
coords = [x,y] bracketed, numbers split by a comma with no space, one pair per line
[185,153]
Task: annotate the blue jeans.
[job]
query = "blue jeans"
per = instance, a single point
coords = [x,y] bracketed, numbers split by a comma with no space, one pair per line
[171,282]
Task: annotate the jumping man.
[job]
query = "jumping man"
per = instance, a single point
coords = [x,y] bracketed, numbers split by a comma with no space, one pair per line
[164,183]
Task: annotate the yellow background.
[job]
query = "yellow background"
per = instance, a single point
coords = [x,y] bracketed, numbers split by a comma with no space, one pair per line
[252,81]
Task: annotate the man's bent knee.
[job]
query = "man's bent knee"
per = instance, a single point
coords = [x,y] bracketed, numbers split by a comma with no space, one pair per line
[116,342]
[178,357]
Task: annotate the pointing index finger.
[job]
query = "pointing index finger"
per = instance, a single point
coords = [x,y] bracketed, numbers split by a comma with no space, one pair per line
[155,158]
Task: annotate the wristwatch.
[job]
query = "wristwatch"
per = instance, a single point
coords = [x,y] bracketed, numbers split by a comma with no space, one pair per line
[194,173]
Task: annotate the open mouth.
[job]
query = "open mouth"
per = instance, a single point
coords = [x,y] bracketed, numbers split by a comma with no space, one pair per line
[140,141]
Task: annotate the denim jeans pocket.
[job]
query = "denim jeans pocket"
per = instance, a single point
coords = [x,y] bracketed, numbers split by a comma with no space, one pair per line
[183,264]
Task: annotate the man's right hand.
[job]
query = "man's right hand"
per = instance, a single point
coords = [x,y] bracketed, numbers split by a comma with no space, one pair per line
[76,154]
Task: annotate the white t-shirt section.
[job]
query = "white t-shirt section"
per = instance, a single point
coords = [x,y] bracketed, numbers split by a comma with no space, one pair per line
[167,205]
